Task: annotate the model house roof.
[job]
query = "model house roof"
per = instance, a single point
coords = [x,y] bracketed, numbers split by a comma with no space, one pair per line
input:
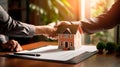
[69,30]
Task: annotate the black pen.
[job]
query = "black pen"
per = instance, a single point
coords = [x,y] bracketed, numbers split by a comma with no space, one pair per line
[29,54]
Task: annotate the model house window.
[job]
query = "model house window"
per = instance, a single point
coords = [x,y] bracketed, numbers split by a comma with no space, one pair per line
[61,43]
[66,36]
[72,35]
[61,36]
[71,44]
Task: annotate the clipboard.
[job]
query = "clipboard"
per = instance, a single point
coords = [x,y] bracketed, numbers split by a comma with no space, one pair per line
[69,56]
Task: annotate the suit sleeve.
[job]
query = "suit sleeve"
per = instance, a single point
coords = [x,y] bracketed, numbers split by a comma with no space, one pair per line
[11,27]
[105,21]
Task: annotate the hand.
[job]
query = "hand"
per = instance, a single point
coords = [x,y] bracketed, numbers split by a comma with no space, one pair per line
[46,30]
[12,45]
[62,25]
[59,27]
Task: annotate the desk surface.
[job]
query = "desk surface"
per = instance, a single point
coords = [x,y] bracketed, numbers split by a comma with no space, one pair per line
[94,61]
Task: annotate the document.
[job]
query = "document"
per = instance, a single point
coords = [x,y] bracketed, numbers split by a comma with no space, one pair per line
[53,53]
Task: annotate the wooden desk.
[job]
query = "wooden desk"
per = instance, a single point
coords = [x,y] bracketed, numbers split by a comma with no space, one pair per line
[94,61]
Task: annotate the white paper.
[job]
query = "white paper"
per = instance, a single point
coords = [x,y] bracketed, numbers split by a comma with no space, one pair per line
[53,53]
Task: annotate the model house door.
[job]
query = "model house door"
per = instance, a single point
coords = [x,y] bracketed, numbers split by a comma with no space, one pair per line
[66,45]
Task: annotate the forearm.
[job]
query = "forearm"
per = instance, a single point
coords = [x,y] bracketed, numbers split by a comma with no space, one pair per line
[104,21]
[44,29]
[39,30]
[95,25]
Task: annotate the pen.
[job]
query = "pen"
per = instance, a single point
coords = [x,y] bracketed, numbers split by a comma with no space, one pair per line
[37,55]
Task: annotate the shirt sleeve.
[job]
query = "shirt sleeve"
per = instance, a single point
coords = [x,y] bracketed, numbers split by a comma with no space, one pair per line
[105,21]
[11,27]
[3,39]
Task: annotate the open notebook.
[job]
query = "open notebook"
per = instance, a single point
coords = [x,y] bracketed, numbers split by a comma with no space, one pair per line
[52,53]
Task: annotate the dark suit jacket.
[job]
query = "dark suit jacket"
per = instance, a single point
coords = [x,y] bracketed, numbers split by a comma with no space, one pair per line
[11,27]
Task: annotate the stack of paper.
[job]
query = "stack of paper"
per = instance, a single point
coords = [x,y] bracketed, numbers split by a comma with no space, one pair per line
[55,54]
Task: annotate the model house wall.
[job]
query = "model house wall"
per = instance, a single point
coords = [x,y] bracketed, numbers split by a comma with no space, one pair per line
[70,40]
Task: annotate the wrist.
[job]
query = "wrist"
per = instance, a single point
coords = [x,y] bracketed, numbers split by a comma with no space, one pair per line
[39,30]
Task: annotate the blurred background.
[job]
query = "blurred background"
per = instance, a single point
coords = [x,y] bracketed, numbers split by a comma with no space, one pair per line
[42,12]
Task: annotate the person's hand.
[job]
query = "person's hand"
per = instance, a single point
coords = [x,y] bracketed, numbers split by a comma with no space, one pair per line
[12,45]
[61,26]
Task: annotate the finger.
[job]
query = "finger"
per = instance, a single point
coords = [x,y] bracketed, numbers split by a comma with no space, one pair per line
[18,47]
[12,43]
[53,36]
[15,46]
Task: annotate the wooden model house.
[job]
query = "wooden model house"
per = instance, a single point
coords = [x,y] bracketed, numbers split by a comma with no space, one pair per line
[70,38]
